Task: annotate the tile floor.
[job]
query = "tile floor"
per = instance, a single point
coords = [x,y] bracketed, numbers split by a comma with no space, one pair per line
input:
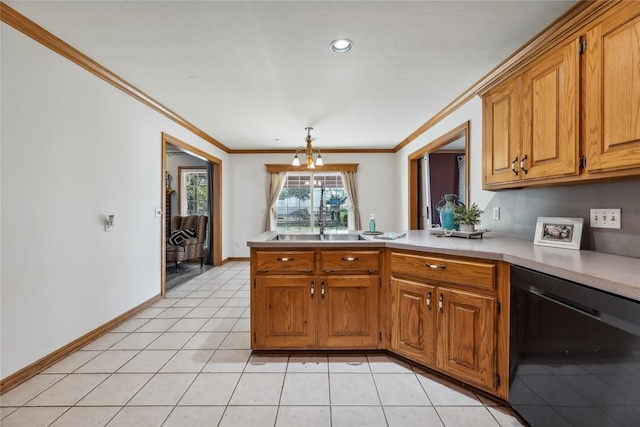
[186,362]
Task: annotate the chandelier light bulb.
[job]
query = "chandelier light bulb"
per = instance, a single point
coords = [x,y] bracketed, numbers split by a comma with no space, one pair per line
[310,153]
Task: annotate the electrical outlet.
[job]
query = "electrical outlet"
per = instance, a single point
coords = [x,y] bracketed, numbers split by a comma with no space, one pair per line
[496,213]
[605,218]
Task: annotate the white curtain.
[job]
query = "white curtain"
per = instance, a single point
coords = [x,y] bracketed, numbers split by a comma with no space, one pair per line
[276,182]
[349,180]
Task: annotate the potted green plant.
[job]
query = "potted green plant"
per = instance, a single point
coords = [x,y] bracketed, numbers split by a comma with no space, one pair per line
[467,218]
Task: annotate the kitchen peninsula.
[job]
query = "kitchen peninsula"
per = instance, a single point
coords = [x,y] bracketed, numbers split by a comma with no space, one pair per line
[441,302]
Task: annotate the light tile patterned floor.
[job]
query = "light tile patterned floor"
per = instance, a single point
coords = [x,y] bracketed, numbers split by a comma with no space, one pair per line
[187,362]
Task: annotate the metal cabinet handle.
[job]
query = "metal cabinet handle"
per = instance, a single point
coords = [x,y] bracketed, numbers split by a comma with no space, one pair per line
[284,259]
[429,301]
[322,289]
[513,166]
[312,290]
[525,170]
[440,303]
[350,258]
[435,266]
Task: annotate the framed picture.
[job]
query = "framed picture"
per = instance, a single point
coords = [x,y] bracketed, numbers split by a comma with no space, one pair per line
[558,232]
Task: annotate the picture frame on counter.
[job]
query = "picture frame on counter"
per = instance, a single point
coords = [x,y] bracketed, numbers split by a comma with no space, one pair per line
[558,232]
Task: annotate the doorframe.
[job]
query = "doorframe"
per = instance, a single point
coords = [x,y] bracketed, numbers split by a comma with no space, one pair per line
[433,146]
[216,203]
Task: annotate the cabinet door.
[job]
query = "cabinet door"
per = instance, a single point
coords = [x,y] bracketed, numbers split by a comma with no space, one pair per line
[414,320]
[550,93]
[284,312]
[612,91]
[502,139]
[348,311]
[466,336]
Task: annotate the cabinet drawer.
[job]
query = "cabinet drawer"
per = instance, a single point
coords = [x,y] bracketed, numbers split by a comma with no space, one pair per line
[349,261]
[285,262]
[475,274]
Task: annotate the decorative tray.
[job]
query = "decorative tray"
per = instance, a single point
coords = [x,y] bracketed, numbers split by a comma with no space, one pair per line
[441,232]
[372,233]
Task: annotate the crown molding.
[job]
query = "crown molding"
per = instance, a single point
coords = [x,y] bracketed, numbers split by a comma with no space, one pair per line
[334,167]
[29,28]
[324,150]
[571,21]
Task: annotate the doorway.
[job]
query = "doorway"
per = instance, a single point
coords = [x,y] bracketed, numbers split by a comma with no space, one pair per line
[178,197]
[441,166]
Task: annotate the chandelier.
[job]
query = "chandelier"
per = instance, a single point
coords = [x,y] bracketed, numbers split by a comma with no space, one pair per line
[310,155]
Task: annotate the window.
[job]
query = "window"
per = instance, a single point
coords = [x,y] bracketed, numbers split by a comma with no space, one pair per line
[193,191]
[302,198]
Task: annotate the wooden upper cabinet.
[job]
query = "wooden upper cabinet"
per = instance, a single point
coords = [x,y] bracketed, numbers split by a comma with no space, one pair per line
[531,127]
[612,91]
[414,313]
[466,345]
[502,136]
[348,311]
[550,100]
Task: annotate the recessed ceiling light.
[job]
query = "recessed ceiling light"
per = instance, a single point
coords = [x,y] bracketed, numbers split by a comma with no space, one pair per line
[341,46]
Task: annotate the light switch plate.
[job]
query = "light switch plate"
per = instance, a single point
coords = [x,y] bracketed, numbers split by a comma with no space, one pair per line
[496,213]
[605,218]
[158,212]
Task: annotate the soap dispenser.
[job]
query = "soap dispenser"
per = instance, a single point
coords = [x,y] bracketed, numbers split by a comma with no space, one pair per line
[372,224]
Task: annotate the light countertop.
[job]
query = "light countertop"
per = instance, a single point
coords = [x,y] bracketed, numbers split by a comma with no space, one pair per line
[613,273]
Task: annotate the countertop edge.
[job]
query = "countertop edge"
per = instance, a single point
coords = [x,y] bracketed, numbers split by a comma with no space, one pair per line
[616,274]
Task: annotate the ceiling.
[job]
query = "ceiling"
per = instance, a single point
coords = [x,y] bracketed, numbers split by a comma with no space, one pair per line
[253,75]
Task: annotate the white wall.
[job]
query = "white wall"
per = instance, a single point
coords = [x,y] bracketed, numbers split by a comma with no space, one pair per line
[376,179]
[470,111]
[75,149]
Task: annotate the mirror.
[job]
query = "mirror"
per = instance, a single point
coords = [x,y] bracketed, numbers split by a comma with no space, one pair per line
[440,167]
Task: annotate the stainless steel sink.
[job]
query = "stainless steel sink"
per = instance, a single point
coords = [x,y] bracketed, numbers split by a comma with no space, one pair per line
[349,236]
[296,237]
[331,237]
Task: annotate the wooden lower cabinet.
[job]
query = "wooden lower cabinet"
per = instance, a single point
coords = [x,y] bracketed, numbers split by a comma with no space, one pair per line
[303,312]
[466,338]
[285,312]
[413,334]
[348,311]
[448,329]
[437,310]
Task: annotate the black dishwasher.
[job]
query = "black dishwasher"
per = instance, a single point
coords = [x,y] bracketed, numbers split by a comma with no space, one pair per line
[574,353]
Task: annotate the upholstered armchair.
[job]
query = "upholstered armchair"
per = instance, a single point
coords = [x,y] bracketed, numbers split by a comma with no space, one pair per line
[186,241]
